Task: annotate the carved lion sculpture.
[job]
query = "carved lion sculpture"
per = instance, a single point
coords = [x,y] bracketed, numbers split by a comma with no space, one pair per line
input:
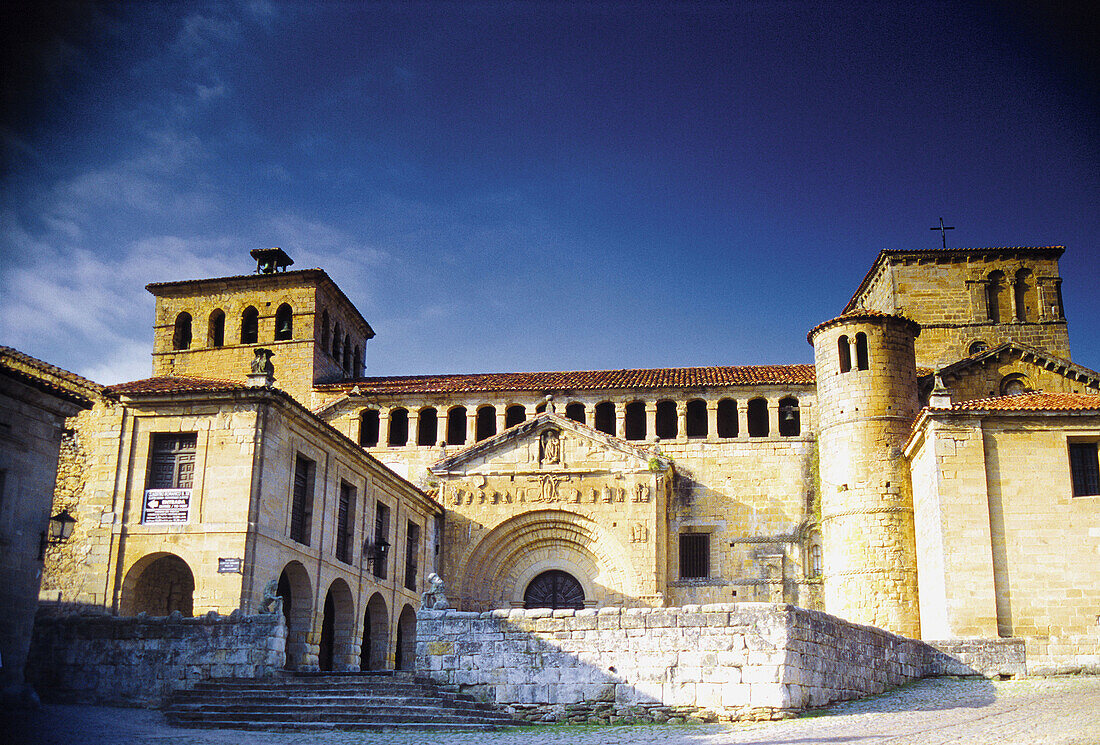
[272,602]
[435,596]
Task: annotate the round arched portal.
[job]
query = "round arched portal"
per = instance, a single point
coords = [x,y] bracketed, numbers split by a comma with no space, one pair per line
[374,652]
[337,629]
[406,640]
[296,591]
[497,572]
[158,584]
[554,589]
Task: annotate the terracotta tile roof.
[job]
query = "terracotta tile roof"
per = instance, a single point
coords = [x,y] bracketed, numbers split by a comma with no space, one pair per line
[687,377]
[175,384]
[887,252]
[860,314]
[49,378]
[1032,402]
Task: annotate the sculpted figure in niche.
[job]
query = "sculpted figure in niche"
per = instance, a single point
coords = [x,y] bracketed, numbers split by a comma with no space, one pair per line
[550,447]
[639,533]
[608,495]
[641,493]
[549,491]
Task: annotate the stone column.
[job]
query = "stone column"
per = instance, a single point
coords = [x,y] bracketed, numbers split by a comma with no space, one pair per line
[620,421]
[651,421]
[1013,296]
[712,420]
[742,418]
[414,427]
[471,426]
[384,427]
[681,420]
[773,416]
[529,409]
[501,412]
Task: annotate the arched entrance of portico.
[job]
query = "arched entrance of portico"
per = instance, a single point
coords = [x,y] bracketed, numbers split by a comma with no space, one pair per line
[158,584]
[296,591]
[498,571]
[337,628]
[374,652]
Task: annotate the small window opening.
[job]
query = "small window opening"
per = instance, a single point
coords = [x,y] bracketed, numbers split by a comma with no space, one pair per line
[181,336]
[790,424]
[694,555]
[977,347]
[216,331]
[1085,468]
[815,560]
[486,423]
[324,330]
[515,414]
[696,415]
[844,352]
[605,417]
[667,428]
[456,426]
[575,411]
[335,351]
[994,288]
[250,325]
[368,428]
[356,362]
[758,418]
[347,354]
[1025,295]
[301,510]
[861,351]
[427,432]
[727,418]
[399,427]
[284,323]
[635,420]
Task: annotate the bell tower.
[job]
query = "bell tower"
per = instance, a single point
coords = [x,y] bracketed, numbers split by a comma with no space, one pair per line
[210,328]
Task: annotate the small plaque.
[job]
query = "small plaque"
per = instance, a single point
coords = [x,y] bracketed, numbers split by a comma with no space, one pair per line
[229,566]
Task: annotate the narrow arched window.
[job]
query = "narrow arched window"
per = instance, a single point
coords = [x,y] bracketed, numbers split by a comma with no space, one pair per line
[336,341]
[666,420]
[399,427]
[861,351]
[1026,300]
[604,417]
[181,335]
[727,418]
[514,414]
[215,332]
[368,428]
[456,426]
[696,415]
[758,418]
[356,362]
[635,420]
[486,423]
[844,353]
[284,323]
[324,330]
[575,411]
[250,326]
[790,421]
[995,288]
[427,432]
[347,354]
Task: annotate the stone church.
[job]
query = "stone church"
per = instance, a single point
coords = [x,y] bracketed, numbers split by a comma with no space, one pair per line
[925,474]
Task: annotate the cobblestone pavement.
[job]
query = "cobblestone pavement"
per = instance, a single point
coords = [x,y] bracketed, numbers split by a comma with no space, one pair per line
[1039,711]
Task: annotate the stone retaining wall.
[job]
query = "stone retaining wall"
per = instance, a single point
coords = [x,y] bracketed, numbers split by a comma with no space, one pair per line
[142,660]
[710,662]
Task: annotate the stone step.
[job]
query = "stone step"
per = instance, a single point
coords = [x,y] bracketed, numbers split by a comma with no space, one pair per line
[306,714]
[380,710]
[289,726]
[321,699]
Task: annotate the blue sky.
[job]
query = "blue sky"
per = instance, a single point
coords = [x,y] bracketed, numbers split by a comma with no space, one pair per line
[533,186]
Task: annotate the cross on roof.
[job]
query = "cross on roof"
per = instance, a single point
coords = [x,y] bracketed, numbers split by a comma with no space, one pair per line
[943,231]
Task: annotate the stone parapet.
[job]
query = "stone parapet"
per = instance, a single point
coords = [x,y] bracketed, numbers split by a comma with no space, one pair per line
[140,660]
[722,661]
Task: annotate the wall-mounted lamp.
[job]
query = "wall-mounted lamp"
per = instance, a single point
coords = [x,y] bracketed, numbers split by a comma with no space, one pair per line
[60,529]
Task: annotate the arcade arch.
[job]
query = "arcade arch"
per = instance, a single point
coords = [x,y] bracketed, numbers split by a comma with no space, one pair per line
[158,584]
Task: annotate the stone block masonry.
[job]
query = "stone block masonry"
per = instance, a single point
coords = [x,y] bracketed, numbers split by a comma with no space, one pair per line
[139,660]
[696,662]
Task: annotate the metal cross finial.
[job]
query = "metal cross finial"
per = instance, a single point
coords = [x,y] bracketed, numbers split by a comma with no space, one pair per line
[943,231]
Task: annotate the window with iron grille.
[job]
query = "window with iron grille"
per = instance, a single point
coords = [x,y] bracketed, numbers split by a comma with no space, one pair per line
[172,461]
[694,555]
[345,522]
[381,537]
[301,508]
[1085,468]
[412,551]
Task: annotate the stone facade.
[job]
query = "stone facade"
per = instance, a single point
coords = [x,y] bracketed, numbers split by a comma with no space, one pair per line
[35,399]
[963,297]
[721,661]
[118,659]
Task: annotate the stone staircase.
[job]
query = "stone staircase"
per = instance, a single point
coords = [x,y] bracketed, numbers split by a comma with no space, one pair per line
[331,701]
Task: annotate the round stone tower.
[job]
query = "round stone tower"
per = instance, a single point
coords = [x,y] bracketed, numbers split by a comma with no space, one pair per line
[867,401]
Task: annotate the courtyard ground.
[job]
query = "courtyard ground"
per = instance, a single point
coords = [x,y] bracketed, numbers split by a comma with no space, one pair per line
[1035,711]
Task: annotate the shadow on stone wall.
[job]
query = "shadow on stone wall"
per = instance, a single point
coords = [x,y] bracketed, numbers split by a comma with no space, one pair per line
[722,662]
